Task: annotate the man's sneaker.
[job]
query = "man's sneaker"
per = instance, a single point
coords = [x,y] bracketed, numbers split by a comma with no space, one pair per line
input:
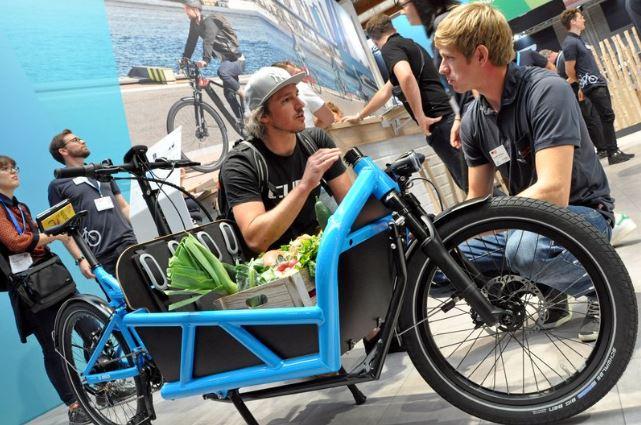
[618,156]
[78,416]
[623,226]
[591,323]
[114,394]
[602,153]
[559,313]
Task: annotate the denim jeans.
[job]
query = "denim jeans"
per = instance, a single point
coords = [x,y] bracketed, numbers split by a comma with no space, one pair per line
[534,256]
[228,72]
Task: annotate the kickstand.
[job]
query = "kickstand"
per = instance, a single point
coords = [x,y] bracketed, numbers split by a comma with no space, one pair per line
[359,397]
[242,407]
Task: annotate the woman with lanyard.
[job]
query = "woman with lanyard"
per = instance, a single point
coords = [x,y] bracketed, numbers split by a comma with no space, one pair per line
[22,245]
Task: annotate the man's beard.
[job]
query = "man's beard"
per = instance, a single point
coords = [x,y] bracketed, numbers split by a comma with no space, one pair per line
[81,153]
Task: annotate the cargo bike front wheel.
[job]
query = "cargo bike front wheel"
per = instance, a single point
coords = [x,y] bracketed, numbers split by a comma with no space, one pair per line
[539,367]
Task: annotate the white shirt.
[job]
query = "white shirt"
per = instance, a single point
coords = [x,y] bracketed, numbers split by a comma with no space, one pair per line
[312,102]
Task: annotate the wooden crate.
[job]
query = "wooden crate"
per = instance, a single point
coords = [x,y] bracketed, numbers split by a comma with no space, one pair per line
[297,290]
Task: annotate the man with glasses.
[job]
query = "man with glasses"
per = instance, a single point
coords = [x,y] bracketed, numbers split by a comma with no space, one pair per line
[107,230]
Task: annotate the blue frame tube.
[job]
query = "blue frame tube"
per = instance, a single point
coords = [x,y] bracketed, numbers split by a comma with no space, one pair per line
[336,239]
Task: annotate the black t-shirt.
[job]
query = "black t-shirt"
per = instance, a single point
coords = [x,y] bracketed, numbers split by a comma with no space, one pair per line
[531,58]
[538,110]
[103,231]
[240,182]
[433,96]
[560,65]
[587,71]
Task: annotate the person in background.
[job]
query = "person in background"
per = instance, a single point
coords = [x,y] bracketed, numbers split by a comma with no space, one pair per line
[19,235]
[317,114]
[531,57]
[583,74]
[414,79]
[107,229]
[220,41]
[623,224]
[527,125]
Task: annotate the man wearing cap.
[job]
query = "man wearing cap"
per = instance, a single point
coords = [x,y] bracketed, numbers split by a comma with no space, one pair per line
[269,183]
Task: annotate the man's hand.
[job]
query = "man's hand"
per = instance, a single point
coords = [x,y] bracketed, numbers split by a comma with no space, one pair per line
[201,64]
[85,269]
[352,118]
[455,134]
[426,122]
[316,166]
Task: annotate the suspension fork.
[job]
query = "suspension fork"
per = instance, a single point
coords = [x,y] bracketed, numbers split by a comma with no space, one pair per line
[432,245]
[199,114]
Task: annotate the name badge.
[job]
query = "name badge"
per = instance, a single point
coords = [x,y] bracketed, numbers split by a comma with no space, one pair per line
[499,156]
[80,180]
[20,262]
[104,203]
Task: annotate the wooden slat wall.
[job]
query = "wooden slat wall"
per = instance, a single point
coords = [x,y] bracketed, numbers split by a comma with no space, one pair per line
[618,59]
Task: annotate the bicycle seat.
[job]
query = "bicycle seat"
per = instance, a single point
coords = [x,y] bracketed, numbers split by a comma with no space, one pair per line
[60,218]
[68,226]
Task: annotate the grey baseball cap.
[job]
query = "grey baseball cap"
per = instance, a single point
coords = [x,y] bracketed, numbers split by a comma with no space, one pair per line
[265,82]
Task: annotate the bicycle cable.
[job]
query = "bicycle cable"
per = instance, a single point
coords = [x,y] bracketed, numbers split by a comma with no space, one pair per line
[438,194]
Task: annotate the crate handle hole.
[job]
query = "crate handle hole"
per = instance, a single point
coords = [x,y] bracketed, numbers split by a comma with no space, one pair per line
[256,301]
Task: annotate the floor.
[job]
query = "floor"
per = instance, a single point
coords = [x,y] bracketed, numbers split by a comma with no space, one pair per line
[401,396]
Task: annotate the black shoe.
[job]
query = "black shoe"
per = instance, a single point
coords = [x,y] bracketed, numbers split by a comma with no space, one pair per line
[78,416]
[114,394]
[602,153]
[618,157]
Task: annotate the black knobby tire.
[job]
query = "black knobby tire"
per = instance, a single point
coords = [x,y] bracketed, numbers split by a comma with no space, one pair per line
[182,113]
[609,355]
[112,411]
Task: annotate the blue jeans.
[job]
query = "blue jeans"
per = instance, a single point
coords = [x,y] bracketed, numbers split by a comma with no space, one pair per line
[534,256]
[228,72]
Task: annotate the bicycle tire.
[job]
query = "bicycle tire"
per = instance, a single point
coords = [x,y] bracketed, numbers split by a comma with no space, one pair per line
[219,140]
[116,409]
[610,354]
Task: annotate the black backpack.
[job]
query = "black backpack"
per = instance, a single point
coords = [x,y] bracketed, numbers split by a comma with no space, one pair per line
[226,42]
[260,165]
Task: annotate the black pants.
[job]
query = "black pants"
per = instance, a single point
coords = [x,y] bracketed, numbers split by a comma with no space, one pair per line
[109,262]
[600,98]
[42,324]
[593,123]
[453,159]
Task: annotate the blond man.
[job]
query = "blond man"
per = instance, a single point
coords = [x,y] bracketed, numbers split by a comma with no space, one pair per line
[527,125]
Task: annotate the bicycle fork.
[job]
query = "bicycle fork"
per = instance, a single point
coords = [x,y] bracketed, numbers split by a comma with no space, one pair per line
[199,115]
[432,245]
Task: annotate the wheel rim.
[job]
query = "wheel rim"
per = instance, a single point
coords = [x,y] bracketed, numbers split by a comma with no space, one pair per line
[206,144]
[573,370]
[114,402]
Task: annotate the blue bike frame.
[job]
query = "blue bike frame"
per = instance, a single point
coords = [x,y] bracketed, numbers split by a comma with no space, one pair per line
[336,239]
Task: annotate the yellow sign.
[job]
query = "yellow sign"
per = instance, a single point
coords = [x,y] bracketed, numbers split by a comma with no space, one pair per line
[59,217]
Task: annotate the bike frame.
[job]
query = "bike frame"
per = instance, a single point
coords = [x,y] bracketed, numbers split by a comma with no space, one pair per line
[336,239]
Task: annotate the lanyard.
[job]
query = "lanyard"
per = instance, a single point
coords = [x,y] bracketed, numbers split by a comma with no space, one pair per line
[14,220]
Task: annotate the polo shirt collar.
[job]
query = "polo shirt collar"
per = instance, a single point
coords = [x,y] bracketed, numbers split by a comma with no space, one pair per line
[510,89]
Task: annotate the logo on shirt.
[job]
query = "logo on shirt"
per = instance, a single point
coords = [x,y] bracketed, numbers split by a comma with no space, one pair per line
[91,237]
[279,192]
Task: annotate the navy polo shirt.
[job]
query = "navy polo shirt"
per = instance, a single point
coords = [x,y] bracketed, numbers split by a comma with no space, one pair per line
[104,230]
[538,111]
[587,71]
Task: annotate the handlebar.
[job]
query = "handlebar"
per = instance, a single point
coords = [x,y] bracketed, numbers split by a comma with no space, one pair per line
[131,165]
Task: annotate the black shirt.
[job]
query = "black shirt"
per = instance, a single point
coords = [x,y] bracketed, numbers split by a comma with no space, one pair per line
[560,65]
[587,71]
[104,230]
[531,58]
[240,183]
[433,96]
[538,110]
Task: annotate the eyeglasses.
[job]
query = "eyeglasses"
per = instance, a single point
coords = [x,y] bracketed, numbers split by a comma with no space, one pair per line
[74,140]
[401,3]
[10,170]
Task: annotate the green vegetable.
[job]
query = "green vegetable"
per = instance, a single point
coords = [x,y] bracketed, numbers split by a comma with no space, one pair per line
[322,213]
[195,271]
[307,252]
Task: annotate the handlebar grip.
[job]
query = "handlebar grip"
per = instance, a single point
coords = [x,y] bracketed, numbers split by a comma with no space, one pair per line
[69,172]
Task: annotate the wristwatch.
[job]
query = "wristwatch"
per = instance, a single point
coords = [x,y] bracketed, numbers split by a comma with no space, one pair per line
[79,260]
